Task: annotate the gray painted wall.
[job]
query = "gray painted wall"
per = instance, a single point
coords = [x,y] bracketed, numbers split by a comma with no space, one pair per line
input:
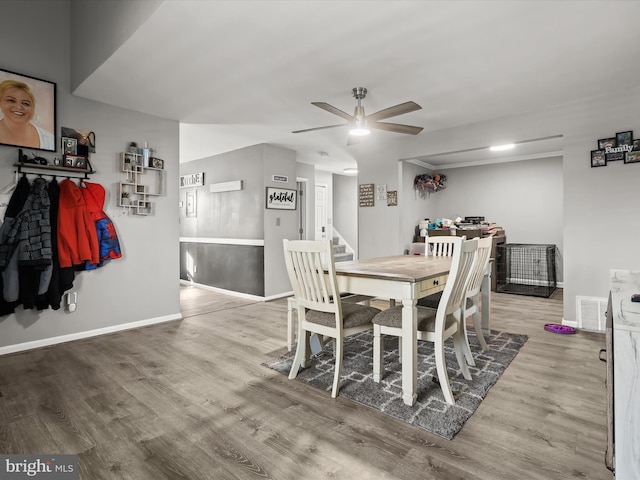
[143,285]
[238,214]
[97,40]
[591,197]
[242,214]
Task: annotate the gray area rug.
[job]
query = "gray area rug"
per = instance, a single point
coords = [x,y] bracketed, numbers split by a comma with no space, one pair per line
[430,412]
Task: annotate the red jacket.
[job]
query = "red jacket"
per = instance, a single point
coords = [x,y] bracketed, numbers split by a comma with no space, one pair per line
[77,237]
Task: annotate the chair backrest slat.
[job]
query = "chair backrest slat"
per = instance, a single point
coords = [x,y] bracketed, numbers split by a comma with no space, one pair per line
[443,246]
[313,288]
[464,252]
[480,267]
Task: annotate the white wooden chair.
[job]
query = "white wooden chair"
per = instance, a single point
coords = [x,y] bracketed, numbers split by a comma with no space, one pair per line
[472,300]
[435,325]
[320,308]
[442,246]
[292,308]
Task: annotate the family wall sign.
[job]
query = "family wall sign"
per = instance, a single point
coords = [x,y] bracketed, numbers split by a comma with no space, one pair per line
[621,147]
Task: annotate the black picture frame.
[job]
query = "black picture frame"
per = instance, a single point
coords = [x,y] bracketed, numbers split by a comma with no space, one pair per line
[156,163]
[281,198]
[42,96]
[598,158]
[605,143]
[636,145]
[615,156]
[69,146]
[632,157]
[76,161]
[624,138]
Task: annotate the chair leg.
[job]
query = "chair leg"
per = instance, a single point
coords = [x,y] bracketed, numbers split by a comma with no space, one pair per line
[378,366]
[443,377]
[291,332]
[301,354]
[338,372]
[466,347]
[478,326]
[459,347]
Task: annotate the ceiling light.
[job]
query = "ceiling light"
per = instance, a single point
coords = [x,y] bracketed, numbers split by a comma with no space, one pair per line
[359,128]
[500,148]
[350,171]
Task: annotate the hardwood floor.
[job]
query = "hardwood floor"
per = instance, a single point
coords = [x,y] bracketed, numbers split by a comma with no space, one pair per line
[190,399]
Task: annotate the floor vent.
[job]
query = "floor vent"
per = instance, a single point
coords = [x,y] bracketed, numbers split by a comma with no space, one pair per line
[591,313]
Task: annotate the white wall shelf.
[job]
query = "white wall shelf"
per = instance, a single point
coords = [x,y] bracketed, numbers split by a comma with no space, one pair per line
[133,194]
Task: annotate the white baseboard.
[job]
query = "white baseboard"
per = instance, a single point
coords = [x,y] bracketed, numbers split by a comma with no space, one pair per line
[237,294]
[47,342]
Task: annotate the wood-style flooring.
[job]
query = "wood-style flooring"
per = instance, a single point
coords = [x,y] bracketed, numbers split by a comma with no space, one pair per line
[190,399]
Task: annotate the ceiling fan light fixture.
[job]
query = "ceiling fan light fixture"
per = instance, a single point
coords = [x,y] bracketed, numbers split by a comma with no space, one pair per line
[359,132]
[500,148]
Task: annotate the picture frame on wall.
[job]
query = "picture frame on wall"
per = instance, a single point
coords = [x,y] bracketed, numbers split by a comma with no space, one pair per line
[605,143]
[69,146]
[281,198]
[624,138]
[37,98]
[615,156]
[636,145]
[76,161]
[598,158]
[632,157]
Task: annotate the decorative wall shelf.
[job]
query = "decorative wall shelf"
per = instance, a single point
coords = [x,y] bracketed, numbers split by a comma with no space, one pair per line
[53,170]
[132,193]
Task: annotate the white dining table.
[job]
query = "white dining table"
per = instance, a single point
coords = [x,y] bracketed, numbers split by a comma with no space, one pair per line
[406,278]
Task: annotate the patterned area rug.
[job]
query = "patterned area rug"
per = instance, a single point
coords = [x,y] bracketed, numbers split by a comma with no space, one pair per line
[430,412]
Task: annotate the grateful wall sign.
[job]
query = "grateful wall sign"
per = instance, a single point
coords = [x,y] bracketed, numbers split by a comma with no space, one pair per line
[621,147]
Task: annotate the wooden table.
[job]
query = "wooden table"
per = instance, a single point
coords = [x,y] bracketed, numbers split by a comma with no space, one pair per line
[406,277]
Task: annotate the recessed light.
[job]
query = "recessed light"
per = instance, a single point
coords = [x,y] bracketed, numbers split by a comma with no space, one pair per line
[350,171]
[499,148]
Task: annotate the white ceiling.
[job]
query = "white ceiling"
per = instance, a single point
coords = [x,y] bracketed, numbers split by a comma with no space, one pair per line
[237,73]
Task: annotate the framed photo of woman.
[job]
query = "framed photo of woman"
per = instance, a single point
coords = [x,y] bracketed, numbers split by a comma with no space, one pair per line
[27,112]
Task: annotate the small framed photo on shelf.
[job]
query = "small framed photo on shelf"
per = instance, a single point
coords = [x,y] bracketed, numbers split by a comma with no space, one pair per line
[156,163]
[598,158]
[632,157]
[605,143]
[76,161]
[69,146]
[624,138]
[615,156]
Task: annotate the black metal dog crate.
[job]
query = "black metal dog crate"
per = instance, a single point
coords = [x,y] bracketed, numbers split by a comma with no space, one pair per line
[526,269]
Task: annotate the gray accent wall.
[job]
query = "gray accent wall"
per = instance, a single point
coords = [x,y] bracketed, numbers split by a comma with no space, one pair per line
[240,215]
[143,285]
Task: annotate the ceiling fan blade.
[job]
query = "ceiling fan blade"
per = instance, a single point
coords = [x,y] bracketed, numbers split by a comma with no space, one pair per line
[396,128]
[319,128]
[353,140]
[399,109]
[332,109]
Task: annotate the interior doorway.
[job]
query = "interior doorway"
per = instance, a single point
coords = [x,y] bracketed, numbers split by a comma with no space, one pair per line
[321,212]
[302,185]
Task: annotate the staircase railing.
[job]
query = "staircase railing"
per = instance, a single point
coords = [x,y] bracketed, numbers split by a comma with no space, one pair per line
[342,241]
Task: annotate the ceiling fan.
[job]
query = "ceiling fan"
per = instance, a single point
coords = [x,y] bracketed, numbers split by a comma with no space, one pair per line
[360,123]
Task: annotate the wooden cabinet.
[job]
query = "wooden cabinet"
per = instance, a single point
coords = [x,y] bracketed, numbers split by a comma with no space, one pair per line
[141,184]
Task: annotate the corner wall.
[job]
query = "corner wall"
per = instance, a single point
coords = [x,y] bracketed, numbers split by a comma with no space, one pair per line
[142,287]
